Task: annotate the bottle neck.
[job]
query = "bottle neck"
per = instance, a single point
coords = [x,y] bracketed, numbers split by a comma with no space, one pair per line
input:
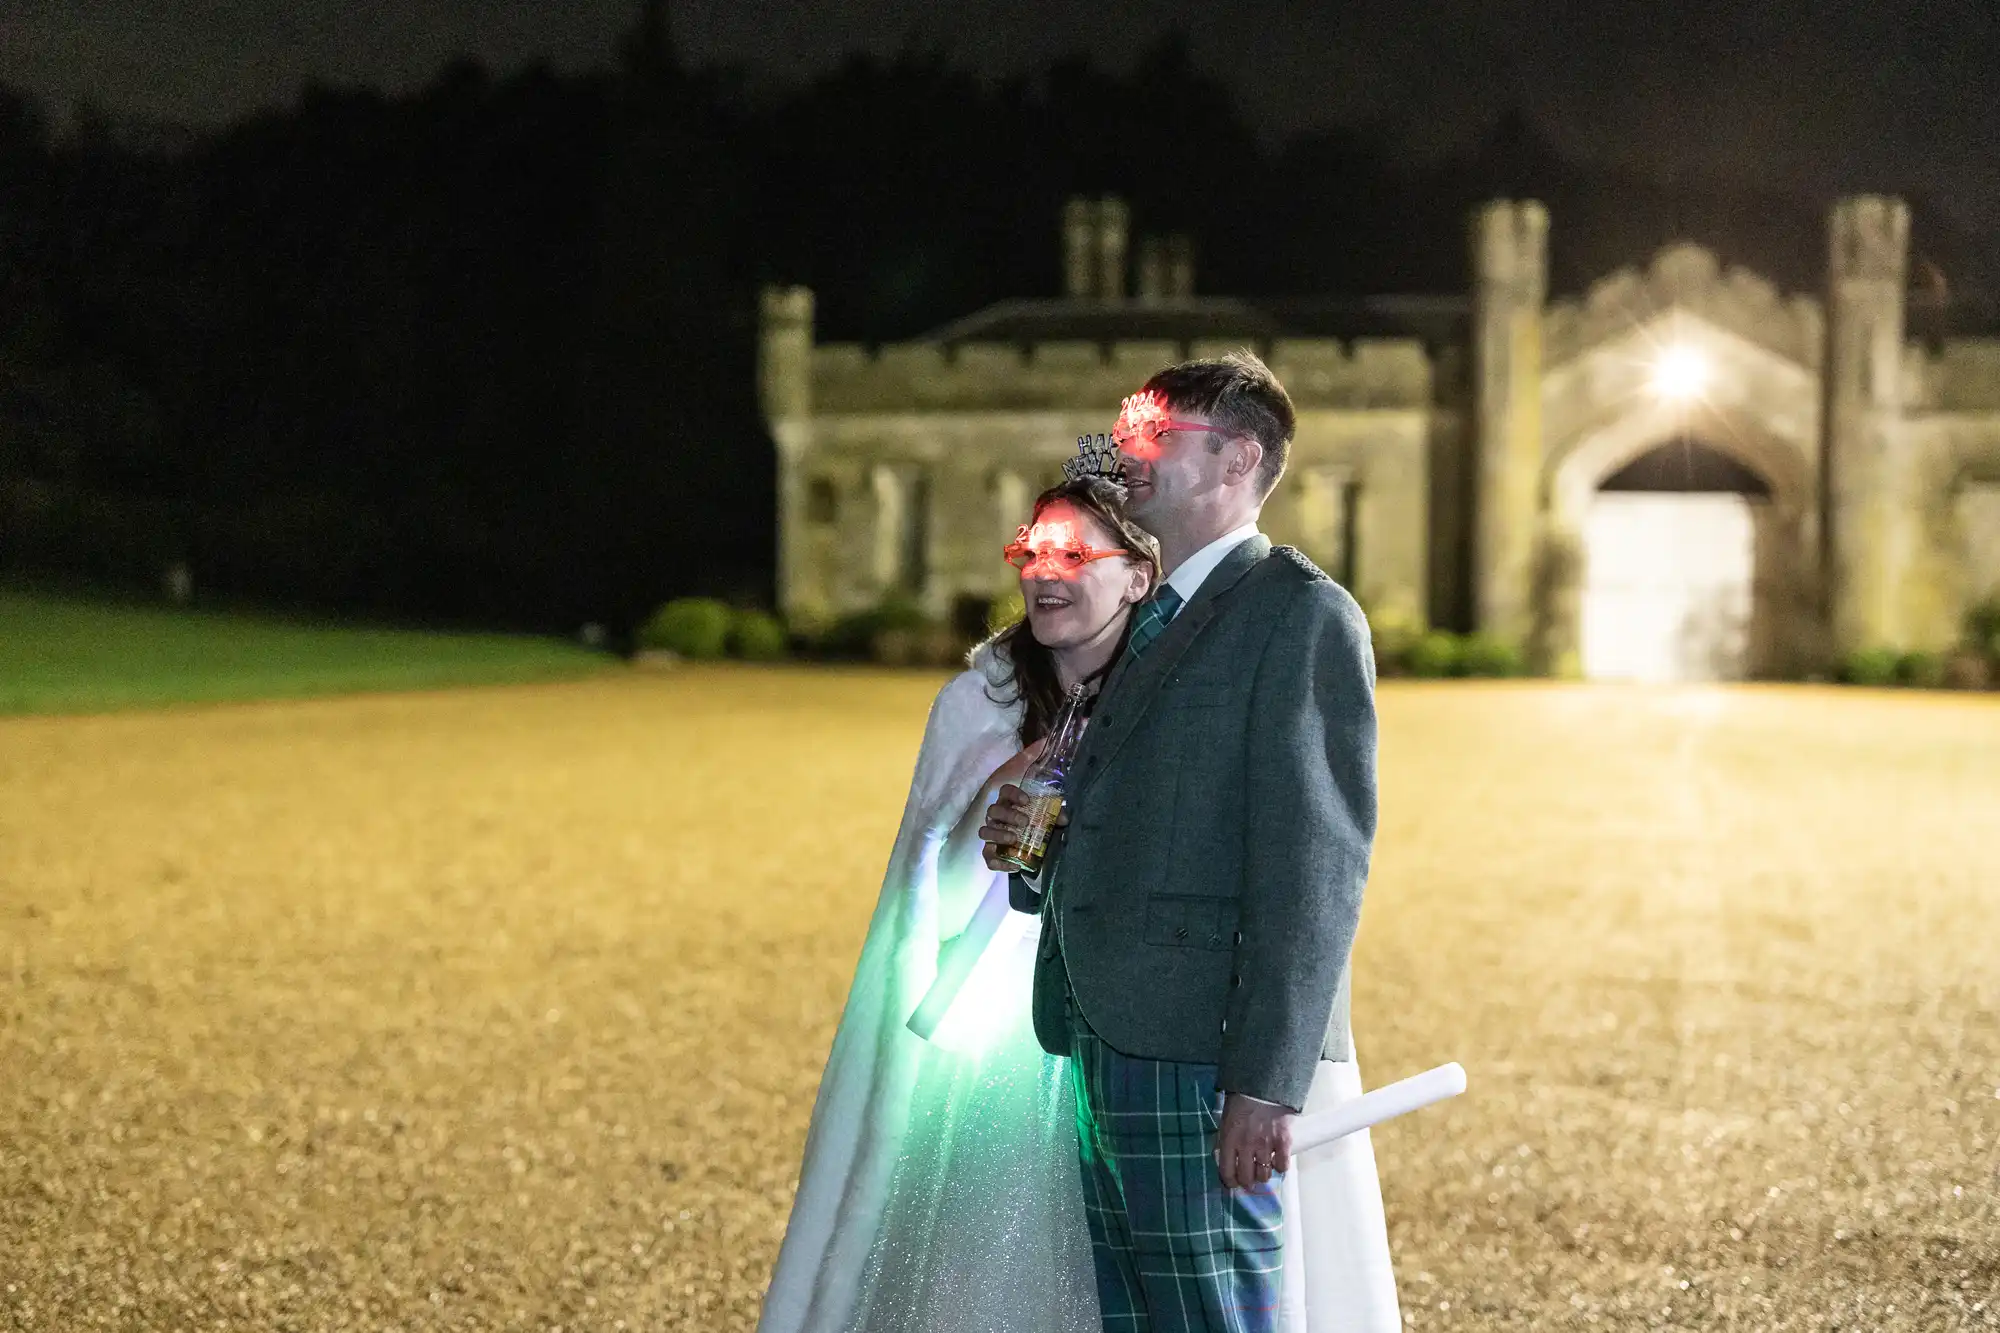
[1065,731]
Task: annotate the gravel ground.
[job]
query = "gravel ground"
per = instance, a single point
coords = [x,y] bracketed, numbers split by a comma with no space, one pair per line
[504,1008]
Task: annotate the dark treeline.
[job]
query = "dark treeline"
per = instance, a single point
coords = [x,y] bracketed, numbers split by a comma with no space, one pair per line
[485,354]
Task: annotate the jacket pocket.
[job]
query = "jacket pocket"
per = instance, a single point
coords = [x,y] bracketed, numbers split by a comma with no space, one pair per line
[1190,921]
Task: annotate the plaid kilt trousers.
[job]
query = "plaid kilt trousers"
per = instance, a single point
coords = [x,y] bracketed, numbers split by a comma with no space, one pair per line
[1175,1252]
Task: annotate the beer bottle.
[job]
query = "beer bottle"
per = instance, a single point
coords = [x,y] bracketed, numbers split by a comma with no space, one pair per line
[1043,786]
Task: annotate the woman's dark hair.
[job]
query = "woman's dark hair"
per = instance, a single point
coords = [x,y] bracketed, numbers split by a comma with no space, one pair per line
[1036,684]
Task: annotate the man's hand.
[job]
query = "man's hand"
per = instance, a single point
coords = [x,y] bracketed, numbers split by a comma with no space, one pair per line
[1255,1140]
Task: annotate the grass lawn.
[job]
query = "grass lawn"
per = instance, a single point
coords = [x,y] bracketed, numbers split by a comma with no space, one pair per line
[504,1009]
[67,656]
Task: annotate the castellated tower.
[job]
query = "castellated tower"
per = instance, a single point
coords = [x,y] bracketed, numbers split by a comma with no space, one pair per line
[1510,288]
[1114,226]
[1080,249]
[784,386]
[1868,494]
[1096,241]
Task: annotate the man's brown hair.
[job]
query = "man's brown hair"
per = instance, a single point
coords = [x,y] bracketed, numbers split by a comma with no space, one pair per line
[1239,393]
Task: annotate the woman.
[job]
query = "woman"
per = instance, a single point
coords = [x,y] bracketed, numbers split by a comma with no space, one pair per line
[939,1189]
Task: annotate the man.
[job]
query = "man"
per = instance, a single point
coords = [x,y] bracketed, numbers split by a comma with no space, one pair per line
[1201,902]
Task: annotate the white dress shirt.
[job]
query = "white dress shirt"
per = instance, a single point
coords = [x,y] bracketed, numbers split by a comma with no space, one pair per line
[1187,577]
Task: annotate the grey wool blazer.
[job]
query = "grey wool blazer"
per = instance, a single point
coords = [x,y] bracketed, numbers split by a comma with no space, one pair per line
[1203,899]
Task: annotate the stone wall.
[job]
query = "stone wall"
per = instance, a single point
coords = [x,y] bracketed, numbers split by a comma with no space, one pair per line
[1962,375]
[976,377]
[979,471]
[1977,511]
[1956,562]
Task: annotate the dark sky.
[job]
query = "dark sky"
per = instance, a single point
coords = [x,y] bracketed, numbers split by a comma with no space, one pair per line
[1859,93]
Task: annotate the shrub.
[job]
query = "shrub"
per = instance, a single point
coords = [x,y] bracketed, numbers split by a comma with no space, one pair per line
[809,627]
[1005,609]
[854,635]
[694,627]
[899,610]
[1434,654]
[1870,666]
[930,645]
[1394,638]
[1484,655]
[848,635]
[1982,626]
[896,632]
[757,636]
[1924,671]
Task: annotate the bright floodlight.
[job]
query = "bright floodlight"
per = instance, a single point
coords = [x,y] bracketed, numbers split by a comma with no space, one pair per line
[1681,373]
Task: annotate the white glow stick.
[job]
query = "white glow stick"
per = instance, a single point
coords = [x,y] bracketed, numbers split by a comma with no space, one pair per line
[1372,1108]
[959,958]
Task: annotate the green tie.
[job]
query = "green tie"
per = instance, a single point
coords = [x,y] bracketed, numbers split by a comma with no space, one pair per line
[1155,614]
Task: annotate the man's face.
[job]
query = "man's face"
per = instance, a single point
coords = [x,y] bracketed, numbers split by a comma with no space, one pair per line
[1171,473]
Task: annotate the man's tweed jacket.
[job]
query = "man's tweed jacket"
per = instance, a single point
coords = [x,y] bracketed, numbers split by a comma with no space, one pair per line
[1204,897]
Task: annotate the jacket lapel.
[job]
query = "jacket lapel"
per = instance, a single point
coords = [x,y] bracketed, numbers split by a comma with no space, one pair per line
[1134,683]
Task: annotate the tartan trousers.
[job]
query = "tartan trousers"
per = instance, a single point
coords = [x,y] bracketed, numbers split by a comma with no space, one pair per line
[1175,1252]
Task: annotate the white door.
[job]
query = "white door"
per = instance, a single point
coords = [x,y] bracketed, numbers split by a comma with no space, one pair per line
[1668,586]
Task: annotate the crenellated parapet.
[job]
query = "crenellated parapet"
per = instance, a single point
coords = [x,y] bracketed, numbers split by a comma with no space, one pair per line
[1962,375]
[985,377]
[1688,277]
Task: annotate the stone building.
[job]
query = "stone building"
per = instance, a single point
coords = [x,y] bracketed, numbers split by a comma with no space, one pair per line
[1683,474]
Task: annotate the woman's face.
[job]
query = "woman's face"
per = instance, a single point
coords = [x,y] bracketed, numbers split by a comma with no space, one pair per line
[1071,603]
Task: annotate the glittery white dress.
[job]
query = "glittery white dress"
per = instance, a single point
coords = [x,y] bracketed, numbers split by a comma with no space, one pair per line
[940,1191]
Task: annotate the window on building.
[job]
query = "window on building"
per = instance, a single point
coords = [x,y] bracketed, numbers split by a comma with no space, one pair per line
[1328,497]
[822,501]
[902,528]
[916,555]
[1011,498]
[1979,528]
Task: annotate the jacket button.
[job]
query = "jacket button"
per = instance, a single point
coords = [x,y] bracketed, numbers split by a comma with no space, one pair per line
[1236,981]
[1237,938]
[1225,1025]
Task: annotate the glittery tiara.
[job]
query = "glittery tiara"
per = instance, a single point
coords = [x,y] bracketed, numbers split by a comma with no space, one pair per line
[1096,456]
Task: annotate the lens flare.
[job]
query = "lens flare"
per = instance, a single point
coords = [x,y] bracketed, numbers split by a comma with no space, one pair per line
[1681,373]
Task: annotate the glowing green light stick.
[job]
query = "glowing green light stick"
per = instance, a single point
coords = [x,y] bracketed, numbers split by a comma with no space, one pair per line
[959,957]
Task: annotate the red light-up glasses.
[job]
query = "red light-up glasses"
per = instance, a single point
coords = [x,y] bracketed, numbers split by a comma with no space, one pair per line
[1054,544]
[1143,418]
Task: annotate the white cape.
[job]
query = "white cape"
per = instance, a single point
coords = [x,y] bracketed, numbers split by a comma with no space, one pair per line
[939,1191]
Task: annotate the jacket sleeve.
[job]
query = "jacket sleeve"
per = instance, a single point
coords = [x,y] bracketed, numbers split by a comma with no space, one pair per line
[1310,812]
[1024,894]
